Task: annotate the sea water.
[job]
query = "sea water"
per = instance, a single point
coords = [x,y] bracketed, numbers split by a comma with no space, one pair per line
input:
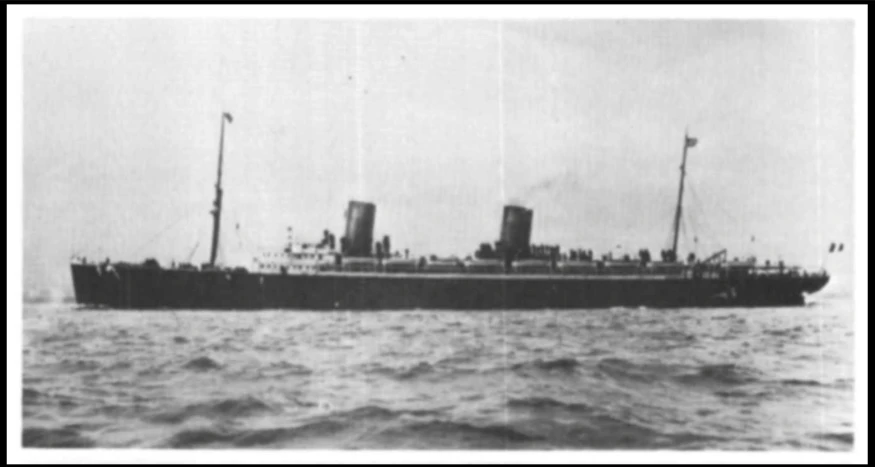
[730,379]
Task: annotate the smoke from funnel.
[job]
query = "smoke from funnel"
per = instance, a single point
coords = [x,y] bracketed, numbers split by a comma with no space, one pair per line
[548,185]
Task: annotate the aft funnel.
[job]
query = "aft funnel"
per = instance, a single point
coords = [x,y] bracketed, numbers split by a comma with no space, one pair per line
[516,228]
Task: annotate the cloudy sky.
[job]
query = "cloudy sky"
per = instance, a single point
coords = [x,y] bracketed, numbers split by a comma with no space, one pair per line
[439,123]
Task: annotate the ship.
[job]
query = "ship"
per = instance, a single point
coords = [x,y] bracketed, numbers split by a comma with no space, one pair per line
[359,272]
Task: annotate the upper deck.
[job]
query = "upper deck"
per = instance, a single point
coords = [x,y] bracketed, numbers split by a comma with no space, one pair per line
[316,262]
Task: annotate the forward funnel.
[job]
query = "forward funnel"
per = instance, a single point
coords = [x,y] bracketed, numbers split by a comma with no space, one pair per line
[359,228]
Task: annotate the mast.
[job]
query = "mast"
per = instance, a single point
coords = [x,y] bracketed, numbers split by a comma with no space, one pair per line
[217,203]
[688,143]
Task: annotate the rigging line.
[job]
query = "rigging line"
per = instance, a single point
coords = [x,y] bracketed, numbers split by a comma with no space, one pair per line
[696,222]
[697,199]
[698,206]
[684,231]
[709,234]
[699,223]
[245,240]
[199,234]
[708,237]
[242,243]
[669,237]
[164,230]
[726,213]
[714,235]
[193,250]
[256,244]
[711,238]
[693,226]
[69,161]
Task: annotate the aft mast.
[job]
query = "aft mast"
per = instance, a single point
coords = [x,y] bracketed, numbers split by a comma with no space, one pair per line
[688,143]
[217,203]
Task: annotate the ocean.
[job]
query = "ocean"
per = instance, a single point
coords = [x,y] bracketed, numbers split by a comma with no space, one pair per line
[685,379]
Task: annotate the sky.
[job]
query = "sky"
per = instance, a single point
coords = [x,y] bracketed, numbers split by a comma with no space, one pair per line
[439,123]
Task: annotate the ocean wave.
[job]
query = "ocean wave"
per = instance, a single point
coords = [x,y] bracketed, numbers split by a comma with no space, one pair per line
[78,365]
[113,410]
[618,368]
[374,418]
[420,369]
[120,365]
[723,374]
[546,403]
[301,403]
[376,368]
[55,438]
[155,370]
[317,430]
[843,383]
[285,368]
[472,397]
[373,412]
[447,434]
[226,408]
[195,438]
[455,360]
[74,337]
[31,396]
[661,336]
[786,332]
[225,347]
[800,382]
[594,427]
[368,412]
[735,394]
[238,407]
[202,364]
[603,431]
[609,431]
[565,366]
[844,437]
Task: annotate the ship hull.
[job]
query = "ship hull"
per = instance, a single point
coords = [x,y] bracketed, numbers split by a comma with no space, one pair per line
[153,288]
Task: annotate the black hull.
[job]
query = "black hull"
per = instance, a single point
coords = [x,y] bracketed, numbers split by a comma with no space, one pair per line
[153,288]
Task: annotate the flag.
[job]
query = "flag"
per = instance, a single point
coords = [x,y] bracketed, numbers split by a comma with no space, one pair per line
[691,142]
[228,117]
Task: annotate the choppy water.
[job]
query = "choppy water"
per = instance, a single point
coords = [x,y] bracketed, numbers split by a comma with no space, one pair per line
[604,379]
